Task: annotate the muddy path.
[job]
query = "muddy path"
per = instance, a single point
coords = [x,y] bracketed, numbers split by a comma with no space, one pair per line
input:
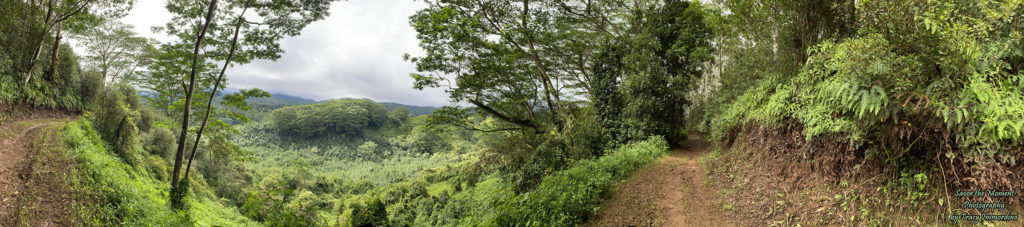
[21,146]
[670,192]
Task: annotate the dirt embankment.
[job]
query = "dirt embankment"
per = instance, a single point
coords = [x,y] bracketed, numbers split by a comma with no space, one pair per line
[669,193]
[772,176]
[766,176]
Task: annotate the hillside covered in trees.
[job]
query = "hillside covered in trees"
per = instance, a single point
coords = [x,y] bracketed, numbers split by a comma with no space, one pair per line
[561,113]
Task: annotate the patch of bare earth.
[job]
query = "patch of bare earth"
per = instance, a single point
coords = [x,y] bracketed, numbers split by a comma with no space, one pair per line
[668,193]
[33,175]
[773,177]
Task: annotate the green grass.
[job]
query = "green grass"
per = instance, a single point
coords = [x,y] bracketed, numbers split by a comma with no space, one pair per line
[46,182]
[570,196]
[207,212]
[122,195]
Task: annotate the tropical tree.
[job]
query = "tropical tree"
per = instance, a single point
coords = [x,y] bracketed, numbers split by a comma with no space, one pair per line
[79,13]
[664,60]
[249,37]
[115,51]
[525,63]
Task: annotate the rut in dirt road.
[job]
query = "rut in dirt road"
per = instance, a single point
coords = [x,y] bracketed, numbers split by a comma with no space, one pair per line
[668,193]
[18,154]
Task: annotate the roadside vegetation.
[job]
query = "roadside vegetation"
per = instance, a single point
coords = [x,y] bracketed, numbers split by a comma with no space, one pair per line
[885,108]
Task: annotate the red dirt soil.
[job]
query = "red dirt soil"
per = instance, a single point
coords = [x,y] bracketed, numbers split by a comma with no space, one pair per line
[668,193]
[33,185]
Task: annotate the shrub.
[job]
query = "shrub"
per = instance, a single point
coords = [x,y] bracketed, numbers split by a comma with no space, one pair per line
[120,195]
[90,88]
[570,196]
[160,142]
[370,212]
[115,119]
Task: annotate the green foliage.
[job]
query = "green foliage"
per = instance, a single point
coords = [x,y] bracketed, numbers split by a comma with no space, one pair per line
[125,196]
[607,99]
[339,159]
[914,185]
[570,196]
[368,213]
[121,194]
[62,90]
[284,199]
[945,72]
[115,119]
[35,67]
[657,66]
[160,142]
[350,117]
[260,107]
[91,89]
[412,110]
[368,150]
[115,51]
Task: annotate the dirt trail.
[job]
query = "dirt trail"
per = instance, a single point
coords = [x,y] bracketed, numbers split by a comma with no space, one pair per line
[17,156]
[668,193]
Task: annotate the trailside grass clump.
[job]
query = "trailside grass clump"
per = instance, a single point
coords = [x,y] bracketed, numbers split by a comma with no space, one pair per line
[120,194]
[569,197]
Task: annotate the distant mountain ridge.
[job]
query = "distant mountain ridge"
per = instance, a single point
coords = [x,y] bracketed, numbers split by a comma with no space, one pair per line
[278,100]
[413,110]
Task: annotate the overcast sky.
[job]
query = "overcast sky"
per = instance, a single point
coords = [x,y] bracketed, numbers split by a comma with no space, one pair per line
[354,53]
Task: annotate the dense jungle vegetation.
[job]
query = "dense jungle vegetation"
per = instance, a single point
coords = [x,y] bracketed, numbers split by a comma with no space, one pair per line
[554,103]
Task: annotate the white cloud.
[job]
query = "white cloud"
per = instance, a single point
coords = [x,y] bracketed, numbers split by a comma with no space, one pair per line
[354,53]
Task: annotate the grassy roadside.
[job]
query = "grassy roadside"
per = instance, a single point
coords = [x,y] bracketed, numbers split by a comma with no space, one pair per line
[46,198]
[571,196]
[121,194]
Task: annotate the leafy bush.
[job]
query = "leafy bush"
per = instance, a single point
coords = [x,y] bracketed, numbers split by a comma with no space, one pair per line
[91,88]
[121,196]
[918,78]
[569,197]
[368,213]
[159,141]
[115,120]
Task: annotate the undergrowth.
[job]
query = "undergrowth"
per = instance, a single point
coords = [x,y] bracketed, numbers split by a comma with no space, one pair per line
[959,99]
[571,196]
[119,194]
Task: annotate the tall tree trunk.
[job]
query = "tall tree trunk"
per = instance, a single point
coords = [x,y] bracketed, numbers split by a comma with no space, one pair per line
[117,136]
[39,45]
[549,88]
[209,103]
[54,58]
[175,194]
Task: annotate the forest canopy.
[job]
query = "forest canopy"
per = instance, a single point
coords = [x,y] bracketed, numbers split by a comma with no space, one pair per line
[344,116]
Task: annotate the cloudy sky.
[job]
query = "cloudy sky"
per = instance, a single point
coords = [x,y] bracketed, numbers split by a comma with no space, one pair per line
[354,53]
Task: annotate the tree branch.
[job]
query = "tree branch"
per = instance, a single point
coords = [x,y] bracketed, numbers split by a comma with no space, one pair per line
[495,113]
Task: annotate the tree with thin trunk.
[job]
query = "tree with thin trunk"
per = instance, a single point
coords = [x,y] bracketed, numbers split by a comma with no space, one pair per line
[60,11]
[220,77]
[177,193]
[250,38]
[115,51]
